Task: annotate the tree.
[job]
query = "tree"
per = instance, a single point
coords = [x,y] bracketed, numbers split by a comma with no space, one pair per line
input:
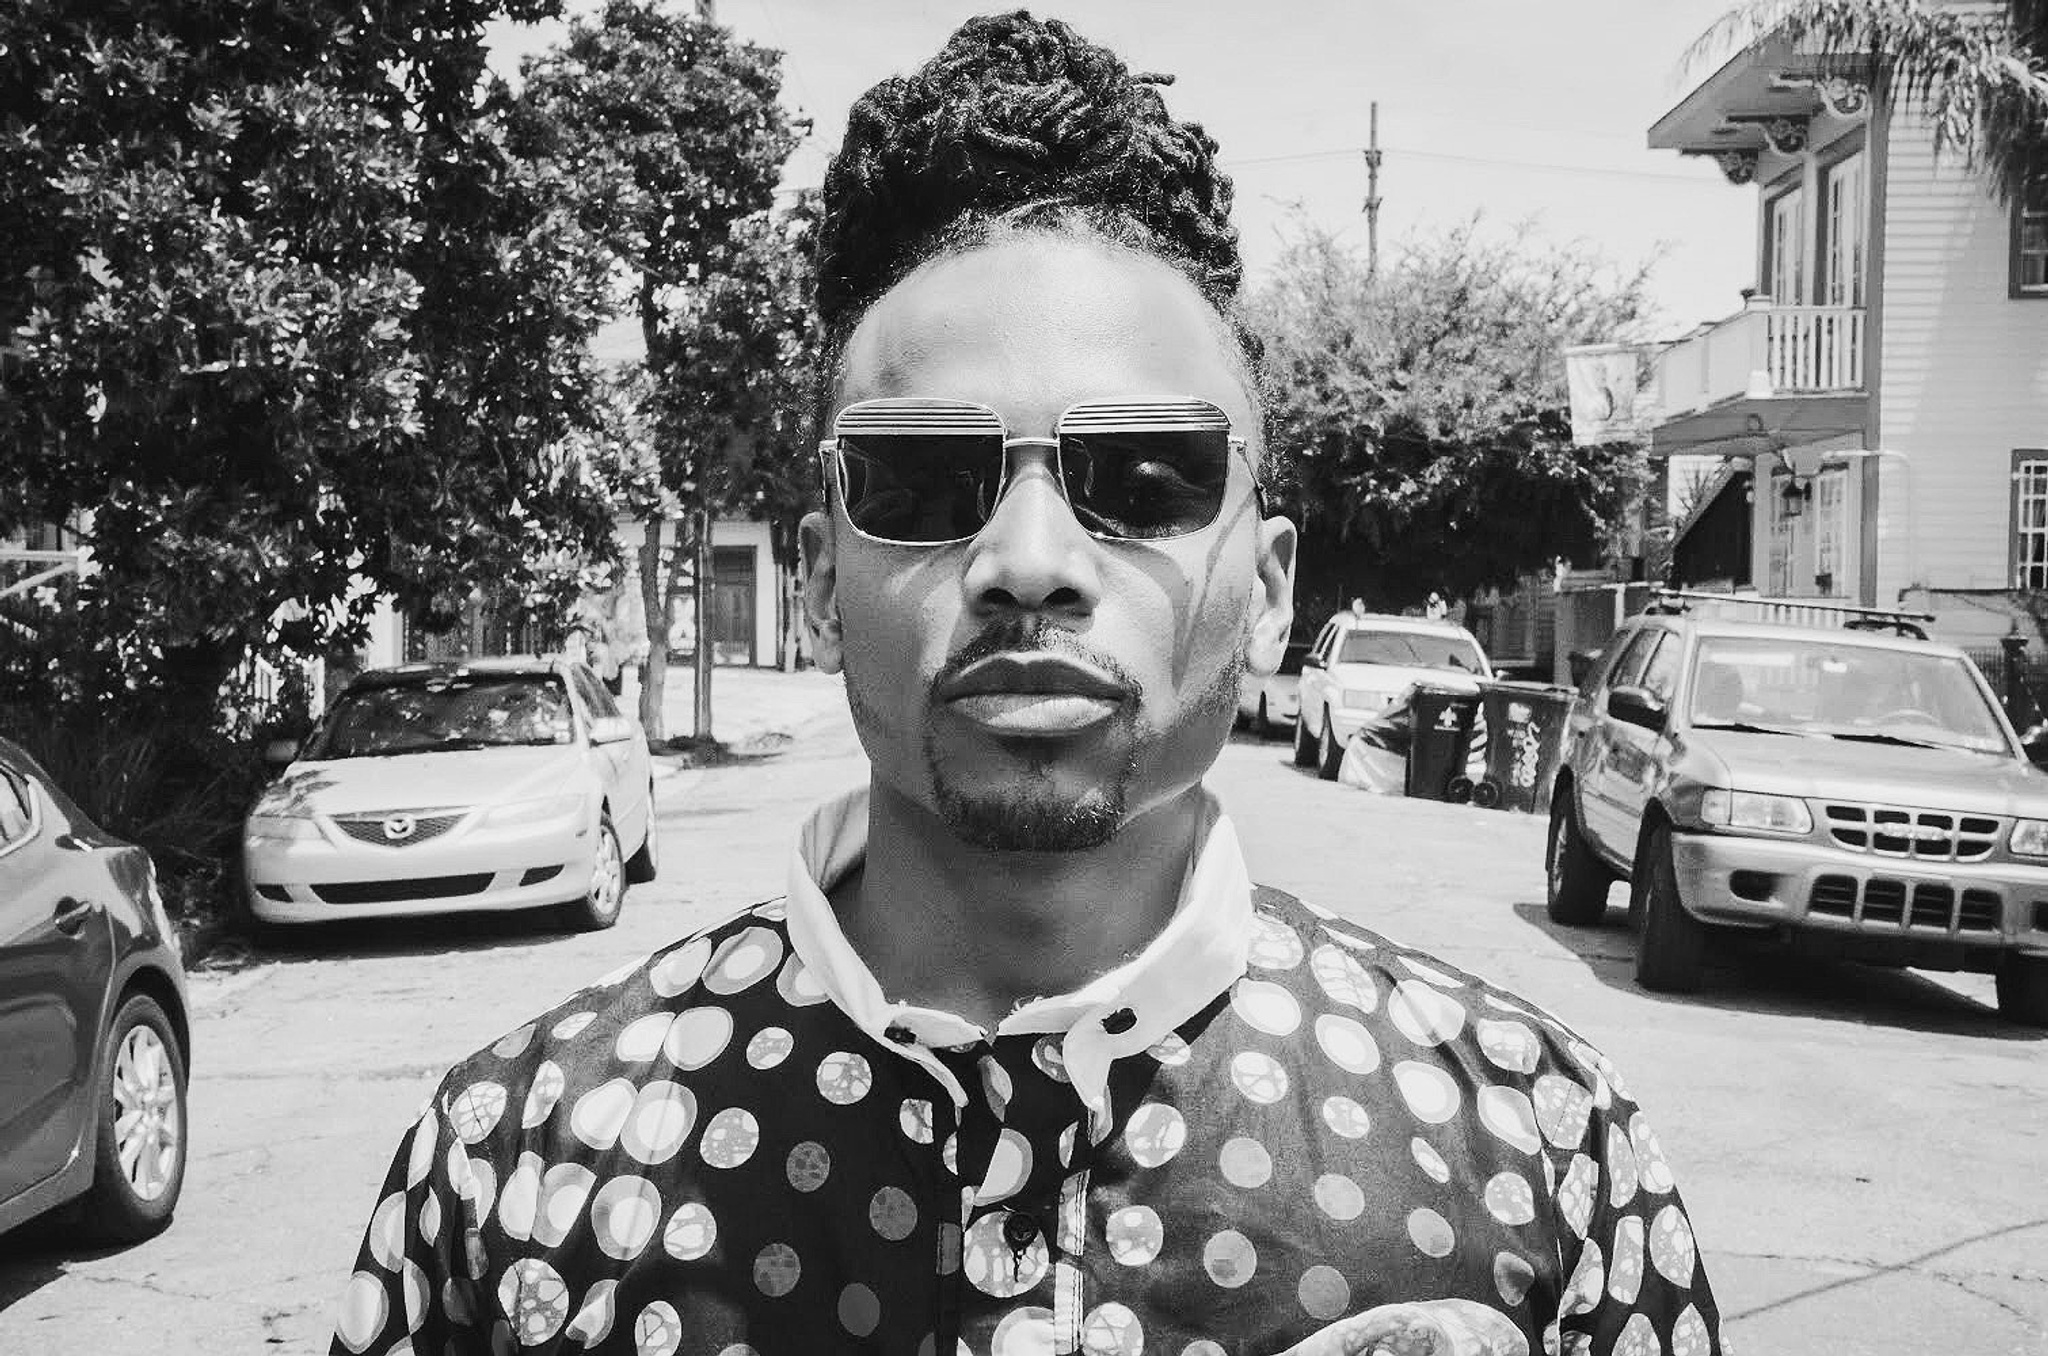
[674,132]
[1419,417]
[285,323]
[1982,73]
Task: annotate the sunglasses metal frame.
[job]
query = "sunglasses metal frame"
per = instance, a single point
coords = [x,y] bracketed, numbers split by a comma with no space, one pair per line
[900,415]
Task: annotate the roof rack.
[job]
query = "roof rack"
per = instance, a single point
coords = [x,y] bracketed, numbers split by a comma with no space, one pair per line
[1759,607]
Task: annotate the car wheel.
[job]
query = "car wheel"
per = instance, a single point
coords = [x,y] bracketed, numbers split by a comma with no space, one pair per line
[1304,747]
[600,904]
[2023,989]
[139,1143]
[645,864]
[1577,879]
[1329,753]
[1671,952]
[1262,724]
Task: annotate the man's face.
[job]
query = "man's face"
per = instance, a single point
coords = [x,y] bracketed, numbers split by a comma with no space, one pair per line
[1037,687]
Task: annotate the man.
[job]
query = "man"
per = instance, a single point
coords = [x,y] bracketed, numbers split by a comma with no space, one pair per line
[1024,1062]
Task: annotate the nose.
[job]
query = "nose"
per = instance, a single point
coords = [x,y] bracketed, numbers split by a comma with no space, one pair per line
[1033,555]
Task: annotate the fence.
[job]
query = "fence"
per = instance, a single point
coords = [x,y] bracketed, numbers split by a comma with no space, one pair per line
[2021,689]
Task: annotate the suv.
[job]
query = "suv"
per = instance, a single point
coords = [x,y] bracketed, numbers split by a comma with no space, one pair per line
[1361,665]
[1860,794]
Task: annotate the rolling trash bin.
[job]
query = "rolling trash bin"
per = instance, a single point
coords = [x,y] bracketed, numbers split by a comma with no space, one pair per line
[1439,740]
[1527,722]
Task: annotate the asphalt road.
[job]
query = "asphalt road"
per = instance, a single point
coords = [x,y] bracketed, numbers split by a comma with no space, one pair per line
[1861,1151]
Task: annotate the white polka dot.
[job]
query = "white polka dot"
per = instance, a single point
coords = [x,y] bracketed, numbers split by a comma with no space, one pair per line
[1430,973]
[1170,1050]
[477,1182]
[1428,1091]
[1512,1277]
[1344,979]
[1230,1259]
[1509,1045]
[430,1219]
[1429,1160]
[520,1200]
[542,1093]
[1656,1173]
[1067,1138]
[844,1078]
[730,1138]
[476,1110]
[1155,1134]
[1202,1346]
[1324,1292]
[1346,1117]
[915,1118]
[1671,1246]
[1507,1113]
[593,1322]
[572,1026]
[1348,1044]
[769,1047]
[1245,1163]
[532,1295]
[1562,1110]
[690,1232]
[1274,945]
[624,1215]
[514,1042]
[600,1114]
[1625,1271]
[1575,1193]
[797,985]
[657,1331]
[563,1190]
[1425,1015]
[698,1036]
[995,1085]
[1689,1336]
[892,1214]
[1430,1232]
[1259,1077]
[1050,1058]
[1638,1338]
[1339,1197]
[808,1166]
[1622,1174]
[641,1040]
[1265,1007]
[860,1310]
[1009,1167]
[1112,1330]
[661,1118]
[1134,1235]
[1023,1332]
[1352,940]
[996,1268]
[420,1161]
[680,968]
[777,1269]
[744,959]
[386,1239]
[1510,1199]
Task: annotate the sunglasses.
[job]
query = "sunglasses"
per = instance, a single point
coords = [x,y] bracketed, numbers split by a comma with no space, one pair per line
[914,472]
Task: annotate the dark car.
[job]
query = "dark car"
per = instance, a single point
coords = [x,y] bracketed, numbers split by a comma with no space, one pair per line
[1857,793]
[94,1044]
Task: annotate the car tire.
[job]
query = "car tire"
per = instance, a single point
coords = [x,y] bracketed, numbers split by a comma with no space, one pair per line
[645,865]
[1671,951]
[1577,880]
[1262,724]
[139,1137]
[2023,989]
[1329,753]
[599,907]
[1304,747]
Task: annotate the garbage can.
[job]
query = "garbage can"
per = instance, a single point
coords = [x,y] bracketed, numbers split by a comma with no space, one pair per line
[1440,734]
[1527,722]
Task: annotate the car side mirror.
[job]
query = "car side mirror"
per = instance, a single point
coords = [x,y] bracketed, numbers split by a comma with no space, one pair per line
[1636,706]
[1309,661]
[280,752]
[610,730]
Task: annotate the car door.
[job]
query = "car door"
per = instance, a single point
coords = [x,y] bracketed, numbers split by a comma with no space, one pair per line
[1315,680]
[1637,757]
[56,955]
[622,764]
[1600,797]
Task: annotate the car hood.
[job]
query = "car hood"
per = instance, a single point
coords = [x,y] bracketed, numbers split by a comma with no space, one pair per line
[1401,677]
[421,781]
[1844,770]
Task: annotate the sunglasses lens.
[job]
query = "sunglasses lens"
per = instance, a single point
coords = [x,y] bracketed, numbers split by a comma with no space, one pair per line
[920,487]
[1146,483]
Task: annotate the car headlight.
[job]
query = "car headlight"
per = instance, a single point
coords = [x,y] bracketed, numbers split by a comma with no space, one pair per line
[1371,701]
[1755,811]
[534,811]
[2029,838]
[284,827]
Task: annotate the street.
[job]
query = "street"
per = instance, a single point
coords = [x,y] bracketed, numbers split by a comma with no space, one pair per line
[1860,1150]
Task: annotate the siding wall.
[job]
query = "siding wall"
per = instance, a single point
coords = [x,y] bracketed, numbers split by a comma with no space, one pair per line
[1965,367]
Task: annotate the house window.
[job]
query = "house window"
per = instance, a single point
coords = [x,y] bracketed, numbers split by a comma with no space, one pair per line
[1844,281]
[1830,532]
[1787,242]
[2030,520]
[2030,232]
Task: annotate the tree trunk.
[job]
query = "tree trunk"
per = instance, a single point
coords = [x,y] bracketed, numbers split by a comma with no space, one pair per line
[654,606]
[702,706]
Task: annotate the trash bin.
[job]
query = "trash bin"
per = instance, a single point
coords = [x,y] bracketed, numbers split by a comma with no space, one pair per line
[1440,736]
[1527,722]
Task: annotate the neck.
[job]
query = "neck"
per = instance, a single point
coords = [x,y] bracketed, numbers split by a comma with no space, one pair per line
[945,924]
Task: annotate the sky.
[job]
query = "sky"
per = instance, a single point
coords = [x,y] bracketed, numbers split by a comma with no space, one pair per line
[1530,116]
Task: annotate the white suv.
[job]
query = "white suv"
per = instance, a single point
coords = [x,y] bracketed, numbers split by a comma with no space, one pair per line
[1360,665]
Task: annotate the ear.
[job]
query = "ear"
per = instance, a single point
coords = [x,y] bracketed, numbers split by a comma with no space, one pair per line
[1272,602]
[820,589]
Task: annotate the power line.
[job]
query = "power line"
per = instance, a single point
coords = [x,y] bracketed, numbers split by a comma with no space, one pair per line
[1347,152]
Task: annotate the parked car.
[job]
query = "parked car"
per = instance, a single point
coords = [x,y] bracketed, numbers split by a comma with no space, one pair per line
[484,784]
[1362,664]
[1856,793]
[1266,701]
[94,1041]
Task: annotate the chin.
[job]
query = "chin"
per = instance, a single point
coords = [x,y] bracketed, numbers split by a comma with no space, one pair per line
[1031,816]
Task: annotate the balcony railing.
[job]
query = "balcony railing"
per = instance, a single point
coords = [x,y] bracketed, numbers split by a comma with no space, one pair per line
[1814,348]
[1761,351]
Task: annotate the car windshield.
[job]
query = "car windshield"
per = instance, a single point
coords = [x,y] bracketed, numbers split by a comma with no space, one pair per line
[1411,649]
[1855,692]
[441,714]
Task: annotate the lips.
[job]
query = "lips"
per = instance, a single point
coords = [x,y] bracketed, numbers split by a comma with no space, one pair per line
[1033,694]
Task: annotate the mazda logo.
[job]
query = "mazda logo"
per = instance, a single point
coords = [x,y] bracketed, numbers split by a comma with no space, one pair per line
[398,828]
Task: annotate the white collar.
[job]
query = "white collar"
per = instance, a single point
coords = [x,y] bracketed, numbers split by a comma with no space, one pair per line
[1200,952]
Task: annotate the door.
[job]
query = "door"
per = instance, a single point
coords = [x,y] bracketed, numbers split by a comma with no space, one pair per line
[624,766]
[1600,798]
[732,604]
[1637,756]
[56,955]
[1843,282]
[1788,249]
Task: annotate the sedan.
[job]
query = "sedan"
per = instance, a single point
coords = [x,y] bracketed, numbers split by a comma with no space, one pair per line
[94,1043]
[455,787]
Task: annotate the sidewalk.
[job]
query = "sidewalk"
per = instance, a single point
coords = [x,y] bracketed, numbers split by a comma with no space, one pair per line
[748,705]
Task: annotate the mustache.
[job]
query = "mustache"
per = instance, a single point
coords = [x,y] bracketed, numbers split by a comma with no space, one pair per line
[1029,635]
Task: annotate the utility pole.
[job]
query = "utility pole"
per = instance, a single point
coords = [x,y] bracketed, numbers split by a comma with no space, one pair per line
[1372,196]
[707,10]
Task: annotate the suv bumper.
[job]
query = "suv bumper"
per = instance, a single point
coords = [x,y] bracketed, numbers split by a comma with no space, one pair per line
[1804,885]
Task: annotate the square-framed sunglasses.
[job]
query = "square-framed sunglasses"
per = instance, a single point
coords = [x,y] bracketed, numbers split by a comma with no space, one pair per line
[927,472]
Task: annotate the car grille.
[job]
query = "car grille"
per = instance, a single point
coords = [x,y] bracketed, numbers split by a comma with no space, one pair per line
[417,887]
[1921,835]
[1913,906]
[370,828]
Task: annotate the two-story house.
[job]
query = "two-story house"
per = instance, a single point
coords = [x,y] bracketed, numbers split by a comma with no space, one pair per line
[1881,396]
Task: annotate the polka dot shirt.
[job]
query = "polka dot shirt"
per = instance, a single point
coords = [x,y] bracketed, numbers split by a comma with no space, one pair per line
[707,1154]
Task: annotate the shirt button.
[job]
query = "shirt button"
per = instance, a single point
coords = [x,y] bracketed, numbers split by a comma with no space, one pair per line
[1019,1231]
[901,1035]
[1120,1021]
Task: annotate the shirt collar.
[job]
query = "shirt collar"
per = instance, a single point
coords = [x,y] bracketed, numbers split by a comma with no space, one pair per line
[1200,952]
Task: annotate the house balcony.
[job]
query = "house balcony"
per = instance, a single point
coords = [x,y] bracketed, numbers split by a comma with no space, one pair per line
[1797,369]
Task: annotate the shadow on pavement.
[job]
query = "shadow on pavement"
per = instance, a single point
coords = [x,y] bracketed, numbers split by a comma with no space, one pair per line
[1756,975]
[35,1254]
[428,934]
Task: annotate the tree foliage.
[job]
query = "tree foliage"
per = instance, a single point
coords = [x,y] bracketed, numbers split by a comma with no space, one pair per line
[282,316]
[1417,418]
